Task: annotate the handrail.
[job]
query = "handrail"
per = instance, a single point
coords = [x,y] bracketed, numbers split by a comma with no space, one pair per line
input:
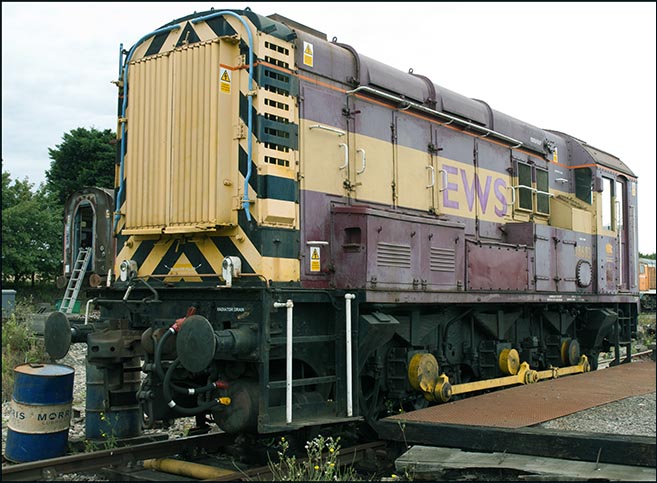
[546,193]
[530,188]
[451,119]
[327,128]
[534,190]
[619,237]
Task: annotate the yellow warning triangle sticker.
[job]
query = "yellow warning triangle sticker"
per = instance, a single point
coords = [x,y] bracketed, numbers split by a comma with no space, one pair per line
[225,77]
[315,255]
[182,270]
[308,50]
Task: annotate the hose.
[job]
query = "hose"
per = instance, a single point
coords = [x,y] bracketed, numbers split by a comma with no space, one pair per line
[180,409]
[160,372]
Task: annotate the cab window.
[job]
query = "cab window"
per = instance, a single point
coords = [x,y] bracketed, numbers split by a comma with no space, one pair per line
[525,198]
[618,205]
[542,192]
[583,183]
[533,189]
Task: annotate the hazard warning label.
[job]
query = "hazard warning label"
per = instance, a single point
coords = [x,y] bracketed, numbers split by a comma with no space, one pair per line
[308,54]
[224,80]
[314,259]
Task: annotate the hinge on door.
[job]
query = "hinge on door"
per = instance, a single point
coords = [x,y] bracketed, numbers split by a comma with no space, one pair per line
[239,131]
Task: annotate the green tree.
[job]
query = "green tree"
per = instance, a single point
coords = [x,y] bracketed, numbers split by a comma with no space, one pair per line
[31,231]
[84,158]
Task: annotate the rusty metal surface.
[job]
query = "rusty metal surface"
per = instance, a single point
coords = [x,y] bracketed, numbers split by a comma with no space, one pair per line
[532,404]
[492,266]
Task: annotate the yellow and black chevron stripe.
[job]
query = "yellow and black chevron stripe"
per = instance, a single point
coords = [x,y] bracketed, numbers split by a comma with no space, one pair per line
[184,158]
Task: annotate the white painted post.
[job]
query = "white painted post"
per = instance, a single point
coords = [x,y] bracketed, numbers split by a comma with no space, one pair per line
[348,298]
[288,378]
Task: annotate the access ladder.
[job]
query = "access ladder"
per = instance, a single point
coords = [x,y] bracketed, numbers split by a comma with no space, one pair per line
[75,282]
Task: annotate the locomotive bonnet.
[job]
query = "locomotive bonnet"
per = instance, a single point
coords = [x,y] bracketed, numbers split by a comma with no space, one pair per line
[303,235]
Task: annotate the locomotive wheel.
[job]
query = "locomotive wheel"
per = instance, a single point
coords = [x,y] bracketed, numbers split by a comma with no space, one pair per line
[570,352]
[423,372]
[509,361]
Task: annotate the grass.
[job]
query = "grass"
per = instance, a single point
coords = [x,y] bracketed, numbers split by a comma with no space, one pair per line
[20,345]
[647,326]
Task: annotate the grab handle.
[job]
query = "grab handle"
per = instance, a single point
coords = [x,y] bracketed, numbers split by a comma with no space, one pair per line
[433,176]
[363,161]
[346,155]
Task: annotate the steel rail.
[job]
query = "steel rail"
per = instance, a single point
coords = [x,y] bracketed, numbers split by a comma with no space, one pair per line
[635,355]
[128,455]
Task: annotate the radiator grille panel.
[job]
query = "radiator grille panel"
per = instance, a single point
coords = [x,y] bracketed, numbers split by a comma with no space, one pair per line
[393,255]
[442,259]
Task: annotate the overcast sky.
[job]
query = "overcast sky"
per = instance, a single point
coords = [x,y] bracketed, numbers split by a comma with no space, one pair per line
[586,69]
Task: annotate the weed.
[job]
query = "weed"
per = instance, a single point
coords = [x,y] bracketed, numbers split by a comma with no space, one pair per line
[111,441]
[20,345]
[90,446]
[321,463]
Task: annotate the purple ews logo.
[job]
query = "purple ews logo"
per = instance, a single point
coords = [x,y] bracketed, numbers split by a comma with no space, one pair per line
[489,190]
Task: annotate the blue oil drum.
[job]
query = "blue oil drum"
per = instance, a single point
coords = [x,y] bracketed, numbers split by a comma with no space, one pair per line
[112,409]
[41,408]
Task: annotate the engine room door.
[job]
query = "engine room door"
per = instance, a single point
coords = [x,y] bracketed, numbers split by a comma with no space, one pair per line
[415,176]
[371,168]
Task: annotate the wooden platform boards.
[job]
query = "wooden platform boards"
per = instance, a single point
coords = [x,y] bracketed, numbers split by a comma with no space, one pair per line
[428,463]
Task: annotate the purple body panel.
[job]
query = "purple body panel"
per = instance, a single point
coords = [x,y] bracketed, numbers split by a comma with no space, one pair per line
[499,268]
[373,248]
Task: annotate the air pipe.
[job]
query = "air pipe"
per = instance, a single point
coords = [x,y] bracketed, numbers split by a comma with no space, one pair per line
[245,202]
[451,119]
[185,468]
[288,357]
[157,363]
[124,105]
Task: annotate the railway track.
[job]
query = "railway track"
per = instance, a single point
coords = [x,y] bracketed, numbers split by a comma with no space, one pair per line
[643,355]
[137,463]
[127,463]
[127,456]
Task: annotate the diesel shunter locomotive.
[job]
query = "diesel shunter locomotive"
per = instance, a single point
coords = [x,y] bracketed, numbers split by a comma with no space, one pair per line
[302,235]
